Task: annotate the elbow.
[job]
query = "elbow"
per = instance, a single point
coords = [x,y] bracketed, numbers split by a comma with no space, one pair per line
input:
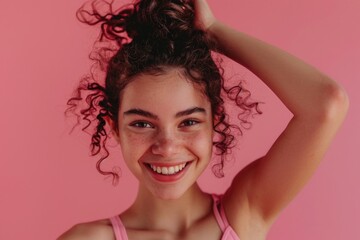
[335,102]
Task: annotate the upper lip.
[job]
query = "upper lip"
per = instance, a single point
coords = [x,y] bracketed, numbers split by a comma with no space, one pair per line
[166,164]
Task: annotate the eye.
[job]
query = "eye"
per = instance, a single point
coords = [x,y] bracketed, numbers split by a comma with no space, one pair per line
[189,122]
[141,124]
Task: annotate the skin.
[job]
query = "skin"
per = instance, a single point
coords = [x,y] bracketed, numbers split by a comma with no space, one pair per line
[260,191]
[165,138]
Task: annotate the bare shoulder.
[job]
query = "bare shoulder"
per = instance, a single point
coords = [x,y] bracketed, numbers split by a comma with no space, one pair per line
[96,230]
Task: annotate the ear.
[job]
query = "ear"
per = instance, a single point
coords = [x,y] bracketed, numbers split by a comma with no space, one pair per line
[112,127]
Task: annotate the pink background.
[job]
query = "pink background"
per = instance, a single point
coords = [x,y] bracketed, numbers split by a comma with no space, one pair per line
[48,182]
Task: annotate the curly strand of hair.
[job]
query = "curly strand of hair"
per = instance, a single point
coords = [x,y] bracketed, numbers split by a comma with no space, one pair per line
[223,128]
[112,23]
[96,102]
[92,108]
[225,144]
[96,141]
[100,136]
[115,176]
[93,16]
[241,97]
[99,144]
[73,103]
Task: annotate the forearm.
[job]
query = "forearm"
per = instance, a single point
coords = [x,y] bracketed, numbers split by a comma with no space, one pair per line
[301,87]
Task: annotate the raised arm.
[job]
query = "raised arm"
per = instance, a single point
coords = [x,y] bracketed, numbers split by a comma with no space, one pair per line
[261,190]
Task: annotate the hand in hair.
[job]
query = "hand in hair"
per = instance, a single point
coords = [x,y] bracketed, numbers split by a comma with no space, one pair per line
[204,17]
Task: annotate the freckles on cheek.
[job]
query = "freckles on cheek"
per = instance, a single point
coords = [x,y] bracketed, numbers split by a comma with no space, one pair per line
[136,142]
[134,146]
[134,139]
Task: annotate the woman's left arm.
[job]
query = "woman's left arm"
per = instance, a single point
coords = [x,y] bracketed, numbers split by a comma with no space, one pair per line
[318,103]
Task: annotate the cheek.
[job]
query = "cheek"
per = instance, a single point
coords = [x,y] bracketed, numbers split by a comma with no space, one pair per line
[134,138]
[133,145]
[201,143]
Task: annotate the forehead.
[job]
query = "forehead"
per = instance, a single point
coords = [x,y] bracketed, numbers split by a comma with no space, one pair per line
[169,91]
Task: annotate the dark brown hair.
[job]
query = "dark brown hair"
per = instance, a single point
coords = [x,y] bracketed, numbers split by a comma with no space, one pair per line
[149,36]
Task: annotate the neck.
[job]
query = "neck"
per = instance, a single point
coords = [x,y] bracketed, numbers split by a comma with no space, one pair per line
[176,215]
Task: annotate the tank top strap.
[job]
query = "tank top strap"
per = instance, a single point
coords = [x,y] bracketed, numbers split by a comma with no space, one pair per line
[219,212]
[119,228]
[227,230]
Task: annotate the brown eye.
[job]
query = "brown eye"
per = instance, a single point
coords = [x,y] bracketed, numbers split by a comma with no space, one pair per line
[189,123]
[141,125]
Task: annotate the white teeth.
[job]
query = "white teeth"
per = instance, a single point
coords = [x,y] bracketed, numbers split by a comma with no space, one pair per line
[182,166]
[168,170]
[164,170]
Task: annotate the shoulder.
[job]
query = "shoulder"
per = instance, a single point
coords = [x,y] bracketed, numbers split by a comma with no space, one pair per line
[96,230]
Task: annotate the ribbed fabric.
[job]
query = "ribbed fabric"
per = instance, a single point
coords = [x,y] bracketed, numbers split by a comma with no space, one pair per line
[228,232]
[119,229]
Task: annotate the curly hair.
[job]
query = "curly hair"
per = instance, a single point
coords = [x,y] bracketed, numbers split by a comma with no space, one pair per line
[149,36]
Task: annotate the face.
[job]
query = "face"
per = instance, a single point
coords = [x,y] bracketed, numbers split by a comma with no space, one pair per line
[165,132]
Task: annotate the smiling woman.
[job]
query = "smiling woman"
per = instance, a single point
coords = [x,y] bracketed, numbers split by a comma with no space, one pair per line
[151,38]
[162,129]
[163,99]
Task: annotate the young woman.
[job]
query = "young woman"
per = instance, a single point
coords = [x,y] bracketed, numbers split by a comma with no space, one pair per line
[163,98]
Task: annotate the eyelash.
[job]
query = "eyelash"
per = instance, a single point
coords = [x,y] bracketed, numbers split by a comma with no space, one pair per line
[136,124]
[183,124]
[194,122]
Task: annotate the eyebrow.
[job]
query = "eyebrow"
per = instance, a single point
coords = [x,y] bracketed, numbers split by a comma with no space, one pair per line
[190,111]
[141,112]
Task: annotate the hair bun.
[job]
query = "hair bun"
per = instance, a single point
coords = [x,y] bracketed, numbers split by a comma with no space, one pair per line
[161,19]
[144,20]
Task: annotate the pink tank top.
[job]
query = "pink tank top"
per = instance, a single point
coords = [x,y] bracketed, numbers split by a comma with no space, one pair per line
[228,232]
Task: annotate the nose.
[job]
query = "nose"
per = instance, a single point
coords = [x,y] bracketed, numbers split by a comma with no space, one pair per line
[166,144]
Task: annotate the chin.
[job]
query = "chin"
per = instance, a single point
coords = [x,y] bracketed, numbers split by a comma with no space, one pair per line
[168,194]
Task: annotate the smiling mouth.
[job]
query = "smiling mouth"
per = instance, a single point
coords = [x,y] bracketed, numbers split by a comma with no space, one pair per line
[167,170]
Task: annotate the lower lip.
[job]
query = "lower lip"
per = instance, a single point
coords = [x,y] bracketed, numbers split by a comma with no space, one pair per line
[168,178]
